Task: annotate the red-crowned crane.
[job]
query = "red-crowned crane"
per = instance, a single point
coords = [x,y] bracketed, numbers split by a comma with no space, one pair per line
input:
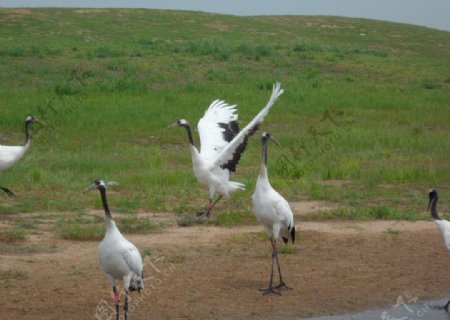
[443,225]
[119,257]
[273,212]
[10,155]
[222,145]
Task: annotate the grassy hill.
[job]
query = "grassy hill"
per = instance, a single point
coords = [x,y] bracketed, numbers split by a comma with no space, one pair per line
[364,120]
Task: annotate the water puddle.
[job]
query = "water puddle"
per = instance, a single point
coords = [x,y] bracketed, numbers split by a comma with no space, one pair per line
[404,309]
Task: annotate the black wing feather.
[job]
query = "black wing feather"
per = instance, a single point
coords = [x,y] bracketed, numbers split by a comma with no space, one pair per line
[293,234]
[230,130]
[231,164]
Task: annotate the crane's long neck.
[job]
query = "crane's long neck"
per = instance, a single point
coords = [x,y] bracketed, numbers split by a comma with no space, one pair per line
[194,152]
[189,133]
[434,212]
[105,203]
[27,133]
[263,170]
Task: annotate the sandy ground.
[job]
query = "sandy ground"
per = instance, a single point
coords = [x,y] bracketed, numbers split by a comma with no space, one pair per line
[207,272]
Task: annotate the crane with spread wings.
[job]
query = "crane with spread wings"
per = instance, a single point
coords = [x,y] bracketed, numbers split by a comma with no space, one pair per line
[221,146]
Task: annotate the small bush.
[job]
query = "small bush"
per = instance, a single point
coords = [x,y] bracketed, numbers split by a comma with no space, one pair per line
[81,232]
[66,89]
[254,53]
[79,229]
[14,52]
[9,274]
[16,233]
[106,52]
[380,212]
[131,224]
[222,54]
[285,249]
[430,84]
[228,219]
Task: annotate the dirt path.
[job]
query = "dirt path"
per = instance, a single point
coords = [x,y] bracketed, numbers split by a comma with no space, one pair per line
[206,272]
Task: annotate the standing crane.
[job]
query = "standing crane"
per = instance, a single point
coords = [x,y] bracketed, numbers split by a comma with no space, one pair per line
[119,257]
[222,145]
[443,225]
[273,212]
[10,155]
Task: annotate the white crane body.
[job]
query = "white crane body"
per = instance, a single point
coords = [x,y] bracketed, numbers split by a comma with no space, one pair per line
[222,145]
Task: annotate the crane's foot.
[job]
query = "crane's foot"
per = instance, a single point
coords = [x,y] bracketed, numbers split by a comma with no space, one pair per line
[117,310]
[203,214]
[446,306]
[8,192]
[282,285]
[269,290]
[135,287]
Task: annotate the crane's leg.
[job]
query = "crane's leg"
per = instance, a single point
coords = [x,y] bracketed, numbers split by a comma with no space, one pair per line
[446,306]
[125,306]
[282,285]
[8,192]
[116,301]
[270,289]
[207,211]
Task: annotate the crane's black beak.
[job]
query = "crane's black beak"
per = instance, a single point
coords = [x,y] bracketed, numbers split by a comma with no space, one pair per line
[40,121]
[275,140]
[91,187]
[173,125]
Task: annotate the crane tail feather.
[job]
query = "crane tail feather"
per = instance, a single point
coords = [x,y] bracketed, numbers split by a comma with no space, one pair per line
[293,234]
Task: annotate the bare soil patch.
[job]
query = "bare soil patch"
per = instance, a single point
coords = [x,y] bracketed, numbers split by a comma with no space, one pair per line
[206,272]
[305,208]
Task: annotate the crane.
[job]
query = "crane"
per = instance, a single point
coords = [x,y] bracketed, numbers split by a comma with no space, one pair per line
[273,212]
[119,258]
[10,155]
[222,145]
[444,225]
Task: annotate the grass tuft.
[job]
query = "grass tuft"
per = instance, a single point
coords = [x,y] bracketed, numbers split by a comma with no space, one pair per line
[380,212]
[15,233]
[131,224]
[286,249]
[13,274]
[80,232]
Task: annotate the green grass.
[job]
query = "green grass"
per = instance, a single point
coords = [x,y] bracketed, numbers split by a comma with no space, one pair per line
[234,218]
[15,233]
[248,237]
[78,231]
[83,228]
[285,249]
[372,110]
[380,212]
[11,274]
[392,232]
[131,224]
[220,249]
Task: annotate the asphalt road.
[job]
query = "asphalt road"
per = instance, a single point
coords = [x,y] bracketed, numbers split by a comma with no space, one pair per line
[407,307]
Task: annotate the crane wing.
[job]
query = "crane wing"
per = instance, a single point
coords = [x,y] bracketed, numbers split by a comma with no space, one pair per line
[217,128]
[230,155]
[132,258]
[10,155]
[444,226]
[284,212]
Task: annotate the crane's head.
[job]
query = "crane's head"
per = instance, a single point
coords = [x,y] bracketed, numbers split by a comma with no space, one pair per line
[98,184]
[179,123]
[432,195]
[266,136]
[31,120]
